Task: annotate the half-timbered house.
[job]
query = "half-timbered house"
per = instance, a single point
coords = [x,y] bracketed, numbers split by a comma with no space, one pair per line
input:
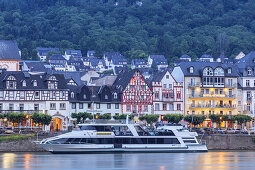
[43,93]
[136,93]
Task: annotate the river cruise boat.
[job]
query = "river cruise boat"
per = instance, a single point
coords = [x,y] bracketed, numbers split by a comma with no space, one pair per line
[124,138]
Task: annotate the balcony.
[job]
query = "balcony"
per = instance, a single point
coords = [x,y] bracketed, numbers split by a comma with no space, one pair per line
[225,106]
[169,99]
[29,112]
[212,96]
[194,84]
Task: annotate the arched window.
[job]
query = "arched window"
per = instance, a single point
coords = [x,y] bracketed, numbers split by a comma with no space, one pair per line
[84,96]
[229,70]
[24,83]
[208,71]
[115,95]
[249,71]
[191,69]
[219,71]
[106,97]
[72,95]
[35,83]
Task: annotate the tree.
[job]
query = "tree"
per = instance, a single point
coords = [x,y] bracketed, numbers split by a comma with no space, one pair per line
[40,118]
[123,116]
[241,119]
[218,118]
[149,118]
[173,118]
[81,116]
[16,117]
[104,116]
[195,119]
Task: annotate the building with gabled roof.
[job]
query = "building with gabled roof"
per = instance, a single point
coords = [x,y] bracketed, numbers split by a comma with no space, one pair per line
[159,60]
[43,52]
[10,55]
[137,95]
[209,88]
[168,97]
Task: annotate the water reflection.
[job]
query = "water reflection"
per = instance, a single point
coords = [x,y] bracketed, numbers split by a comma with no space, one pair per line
[160,161]
[8,160]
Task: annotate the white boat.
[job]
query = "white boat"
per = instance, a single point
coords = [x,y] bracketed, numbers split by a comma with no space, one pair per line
[124,138]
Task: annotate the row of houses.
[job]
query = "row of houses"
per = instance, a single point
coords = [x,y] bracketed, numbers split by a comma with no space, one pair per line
[73,60]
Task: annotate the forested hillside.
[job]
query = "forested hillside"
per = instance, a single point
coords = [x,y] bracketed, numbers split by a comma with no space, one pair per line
[169,27]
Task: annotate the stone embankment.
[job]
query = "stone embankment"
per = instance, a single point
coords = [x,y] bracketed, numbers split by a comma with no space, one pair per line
[214,142]
[230,142]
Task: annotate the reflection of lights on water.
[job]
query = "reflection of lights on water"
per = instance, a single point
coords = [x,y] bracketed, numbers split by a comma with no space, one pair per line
[214,160]
[162,167]
[27,160]
[8,160]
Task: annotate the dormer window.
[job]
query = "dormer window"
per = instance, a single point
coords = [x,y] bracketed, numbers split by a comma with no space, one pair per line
[24,83]
[106,97]
[72,94]
[229,70]
[191,70]
[249,71]
[208,71]
[115,95]
[84,96]
[11,82]
[35,83]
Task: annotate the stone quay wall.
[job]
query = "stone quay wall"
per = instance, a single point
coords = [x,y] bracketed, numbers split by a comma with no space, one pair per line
[213,142]
[229,142]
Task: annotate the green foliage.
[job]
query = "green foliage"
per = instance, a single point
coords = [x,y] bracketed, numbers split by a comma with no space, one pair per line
[16,137]
[218,118]
[173,118]
[240,118]
[2,116]
[194,119]
[123,116]
[104,116]
[81,116]
[16,117]
[149,118]
[168,27]
[44,119]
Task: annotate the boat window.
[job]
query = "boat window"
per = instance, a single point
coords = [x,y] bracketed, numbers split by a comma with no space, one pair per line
[165,133]
[76,141]
[87,128]
[141,132]
[171,141]
[121,131]
[118,141]
[151,141]
[59,141]
[69,140]
[189,141]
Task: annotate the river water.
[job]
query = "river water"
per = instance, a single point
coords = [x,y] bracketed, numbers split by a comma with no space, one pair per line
[139,161]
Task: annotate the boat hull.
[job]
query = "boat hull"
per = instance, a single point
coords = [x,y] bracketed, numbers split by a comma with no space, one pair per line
[78,149]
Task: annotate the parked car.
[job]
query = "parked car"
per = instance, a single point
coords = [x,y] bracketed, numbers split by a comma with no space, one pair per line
[208,130]
[198,130]
[220,131]
[251,130]
[230,131]
[8,131]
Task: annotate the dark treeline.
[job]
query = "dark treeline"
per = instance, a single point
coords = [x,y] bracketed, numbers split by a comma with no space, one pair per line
[169,27]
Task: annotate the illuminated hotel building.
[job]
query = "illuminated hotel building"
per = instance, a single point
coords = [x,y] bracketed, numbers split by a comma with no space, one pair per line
[209,88]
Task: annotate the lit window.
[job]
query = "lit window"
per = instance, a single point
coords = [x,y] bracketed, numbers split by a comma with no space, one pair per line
[72,95]
[191,69]
[24,84]
[35,83]
[249,71]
